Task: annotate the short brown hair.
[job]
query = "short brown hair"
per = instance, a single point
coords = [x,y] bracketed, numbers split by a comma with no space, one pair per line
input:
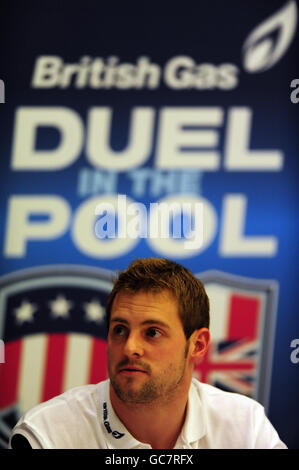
[158,274]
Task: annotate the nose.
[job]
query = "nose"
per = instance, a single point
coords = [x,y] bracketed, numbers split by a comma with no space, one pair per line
[134,345]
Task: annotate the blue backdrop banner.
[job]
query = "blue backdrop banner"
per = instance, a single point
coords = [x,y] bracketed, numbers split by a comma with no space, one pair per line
[127,136]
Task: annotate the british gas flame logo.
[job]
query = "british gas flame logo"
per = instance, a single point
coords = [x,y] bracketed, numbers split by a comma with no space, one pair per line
[269,41]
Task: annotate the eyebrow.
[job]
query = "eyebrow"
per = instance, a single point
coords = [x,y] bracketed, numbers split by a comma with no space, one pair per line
[150,321]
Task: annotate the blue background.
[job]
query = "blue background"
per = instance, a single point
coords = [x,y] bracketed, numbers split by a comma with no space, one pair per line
[211,32]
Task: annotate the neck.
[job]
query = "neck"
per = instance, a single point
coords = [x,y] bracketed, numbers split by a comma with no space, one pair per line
[157,424]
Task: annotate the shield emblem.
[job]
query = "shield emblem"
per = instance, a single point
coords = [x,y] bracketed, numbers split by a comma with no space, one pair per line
[242,327]
[53,327]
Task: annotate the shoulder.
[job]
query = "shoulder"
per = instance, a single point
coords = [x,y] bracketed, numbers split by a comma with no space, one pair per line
[234,420]
[215,397]
[50,422]
[64,403]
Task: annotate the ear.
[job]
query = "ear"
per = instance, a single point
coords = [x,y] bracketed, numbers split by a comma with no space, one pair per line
[199,343]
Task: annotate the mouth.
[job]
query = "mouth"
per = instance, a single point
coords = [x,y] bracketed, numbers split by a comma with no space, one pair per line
[131,371]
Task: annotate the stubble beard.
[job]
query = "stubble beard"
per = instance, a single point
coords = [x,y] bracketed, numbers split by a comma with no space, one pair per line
[155,390]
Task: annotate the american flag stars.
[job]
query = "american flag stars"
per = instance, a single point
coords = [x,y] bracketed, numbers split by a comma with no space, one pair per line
[60,307]
[94,311]
[25,312]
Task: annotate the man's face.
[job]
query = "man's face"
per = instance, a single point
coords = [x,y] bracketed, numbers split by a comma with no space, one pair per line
[147,348]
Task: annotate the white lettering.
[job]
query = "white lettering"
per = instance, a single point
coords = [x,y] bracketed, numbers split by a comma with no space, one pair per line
[83,229]
[2,91]
[238,157]
[99,152]
[180,225]
[295,353]
[294,95]
[181,72]
[24,155]
[182,143]
[51,71]
[233,242]
[19,228]
[176,78]
[172,138]
[46,71]
[205,223]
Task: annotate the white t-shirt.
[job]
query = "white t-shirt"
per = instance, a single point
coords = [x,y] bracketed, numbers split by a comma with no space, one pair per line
[83,418]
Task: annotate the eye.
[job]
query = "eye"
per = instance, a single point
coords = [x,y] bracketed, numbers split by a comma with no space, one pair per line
[153,333]
[119,330]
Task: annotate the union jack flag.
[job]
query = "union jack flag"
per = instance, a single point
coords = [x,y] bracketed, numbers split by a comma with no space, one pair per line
[242,313]
[230,365]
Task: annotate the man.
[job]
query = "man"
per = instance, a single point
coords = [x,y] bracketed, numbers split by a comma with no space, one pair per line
[158,319]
